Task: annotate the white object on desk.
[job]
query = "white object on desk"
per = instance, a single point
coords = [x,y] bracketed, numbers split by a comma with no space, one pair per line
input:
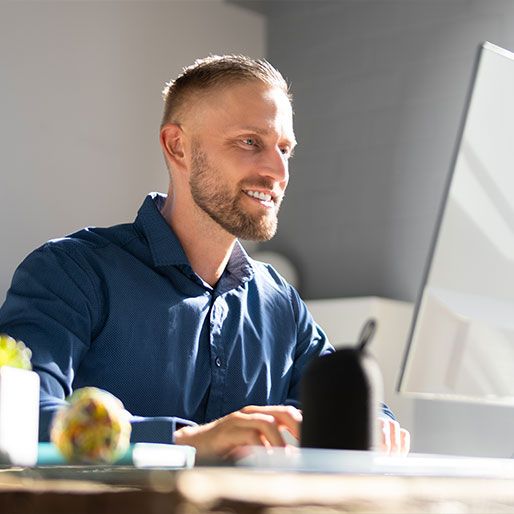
[19,416]
[149,455]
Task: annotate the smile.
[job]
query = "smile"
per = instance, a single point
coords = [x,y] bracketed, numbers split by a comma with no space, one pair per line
[259,195]
[264,199]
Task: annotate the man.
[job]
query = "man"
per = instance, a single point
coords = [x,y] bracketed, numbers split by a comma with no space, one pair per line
[204,345]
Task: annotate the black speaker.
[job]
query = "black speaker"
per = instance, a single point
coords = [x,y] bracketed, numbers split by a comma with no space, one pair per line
[341,396]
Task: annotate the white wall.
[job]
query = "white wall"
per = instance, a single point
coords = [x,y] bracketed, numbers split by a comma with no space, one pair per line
[80,106]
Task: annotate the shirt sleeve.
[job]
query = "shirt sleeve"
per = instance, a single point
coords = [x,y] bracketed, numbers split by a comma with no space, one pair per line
[311,342]
[156,429]
[55,306]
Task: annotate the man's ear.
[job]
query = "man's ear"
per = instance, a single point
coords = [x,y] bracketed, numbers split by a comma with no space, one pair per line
[172,140]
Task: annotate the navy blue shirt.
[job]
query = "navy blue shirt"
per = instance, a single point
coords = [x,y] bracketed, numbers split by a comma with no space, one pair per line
[121,308]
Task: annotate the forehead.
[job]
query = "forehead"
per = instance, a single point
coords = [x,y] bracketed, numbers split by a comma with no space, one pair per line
[252,104]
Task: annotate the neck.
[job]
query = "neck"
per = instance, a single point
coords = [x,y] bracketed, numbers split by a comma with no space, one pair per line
[207,245]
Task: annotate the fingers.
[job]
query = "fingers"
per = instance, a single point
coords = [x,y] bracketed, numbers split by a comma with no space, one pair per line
[394,440]
[263,426]
[385,437]
[251,426]
[261,429]
[285,416]
[394,435]
[405,441]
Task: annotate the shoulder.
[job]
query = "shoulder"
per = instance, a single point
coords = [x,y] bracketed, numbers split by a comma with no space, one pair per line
[78,252]
[95,238]
[89,240]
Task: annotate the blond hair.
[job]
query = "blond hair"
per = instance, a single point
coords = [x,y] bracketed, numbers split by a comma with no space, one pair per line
[213,72]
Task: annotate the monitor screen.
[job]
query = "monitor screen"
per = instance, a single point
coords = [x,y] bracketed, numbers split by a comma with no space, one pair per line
[461,344]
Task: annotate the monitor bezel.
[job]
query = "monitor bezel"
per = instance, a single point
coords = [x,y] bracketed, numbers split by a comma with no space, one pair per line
[401,383]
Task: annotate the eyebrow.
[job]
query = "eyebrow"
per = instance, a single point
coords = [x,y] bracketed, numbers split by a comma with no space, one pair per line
[262,132]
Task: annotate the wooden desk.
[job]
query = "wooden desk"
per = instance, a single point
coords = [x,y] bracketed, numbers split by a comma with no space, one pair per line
[246,491]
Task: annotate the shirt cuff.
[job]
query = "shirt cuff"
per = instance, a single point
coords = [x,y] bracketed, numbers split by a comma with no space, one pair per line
[388,412]
[156,429]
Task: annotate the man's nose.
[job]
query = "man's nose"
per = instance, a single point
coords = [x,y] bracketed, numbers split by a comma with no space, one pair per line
[276,165]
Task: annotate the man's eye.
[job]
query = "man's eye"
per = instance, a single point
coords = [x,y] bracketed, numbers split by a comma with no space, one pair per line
[249,141]
[287,151]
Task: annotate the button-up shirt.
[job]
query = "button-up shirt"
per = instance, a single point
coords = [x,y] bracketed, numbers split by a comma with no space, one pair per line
[121,309]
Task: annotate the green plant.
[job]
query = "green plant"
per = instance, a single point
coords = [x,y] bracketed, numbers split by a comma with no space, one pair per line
[14,353]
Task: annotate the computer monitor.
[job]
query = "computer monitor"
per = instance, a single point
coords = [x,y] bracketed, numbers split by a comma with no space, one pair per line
[461,344]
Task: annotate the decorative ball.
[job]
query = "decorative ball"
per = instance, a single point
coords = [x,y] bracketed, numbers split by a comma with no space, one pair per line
[14,353]
[94,428]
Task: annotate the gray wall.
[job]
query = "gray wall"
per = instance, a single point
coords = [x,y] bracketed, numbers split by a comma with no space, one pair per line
[379,92]
[380,88]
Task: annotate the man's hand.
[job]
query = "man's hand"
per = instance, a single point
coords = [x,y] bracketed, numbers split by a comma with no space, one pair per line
[394,440]
[250,426]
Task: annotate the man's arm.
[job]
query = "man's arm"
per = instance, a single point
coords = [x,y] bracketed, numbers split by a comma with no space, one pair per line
[56,306]
[50,306]
[264,425]
[313,342]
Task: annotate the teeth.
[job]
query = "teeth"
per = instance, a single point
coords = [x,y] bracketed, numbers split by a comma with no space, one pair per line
[261,196]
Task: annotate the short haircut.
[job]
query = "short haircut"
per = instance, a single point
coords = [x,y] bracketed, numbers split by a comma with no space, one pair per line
[213,72]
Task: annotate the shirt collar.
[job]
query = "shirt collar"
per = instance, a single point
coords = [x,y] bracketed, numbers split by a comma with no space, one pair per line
[239,264]
[165,246]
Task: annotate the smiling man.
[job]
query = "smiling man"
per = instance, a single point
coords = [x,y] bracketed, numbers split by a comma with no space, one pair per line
[204,345]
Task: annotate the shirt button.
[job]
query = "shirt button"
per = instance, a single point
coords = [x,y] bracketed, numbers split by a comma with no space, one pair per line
[218,362]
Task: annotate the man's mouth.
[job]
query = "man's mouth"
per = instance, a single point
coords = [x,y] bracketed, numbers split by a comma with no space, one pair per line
[265,199]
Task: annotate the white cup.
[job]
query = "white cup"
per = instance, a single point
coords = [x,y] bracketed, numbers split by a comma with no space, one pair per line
[19,416]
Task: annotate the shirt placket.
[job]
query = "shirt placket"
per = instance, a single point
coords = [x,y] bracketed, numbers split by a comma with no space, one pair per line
[218,361]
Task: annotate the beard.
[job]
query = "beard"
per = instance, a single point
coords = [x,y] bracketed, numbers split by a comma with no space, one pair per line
[224,205]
